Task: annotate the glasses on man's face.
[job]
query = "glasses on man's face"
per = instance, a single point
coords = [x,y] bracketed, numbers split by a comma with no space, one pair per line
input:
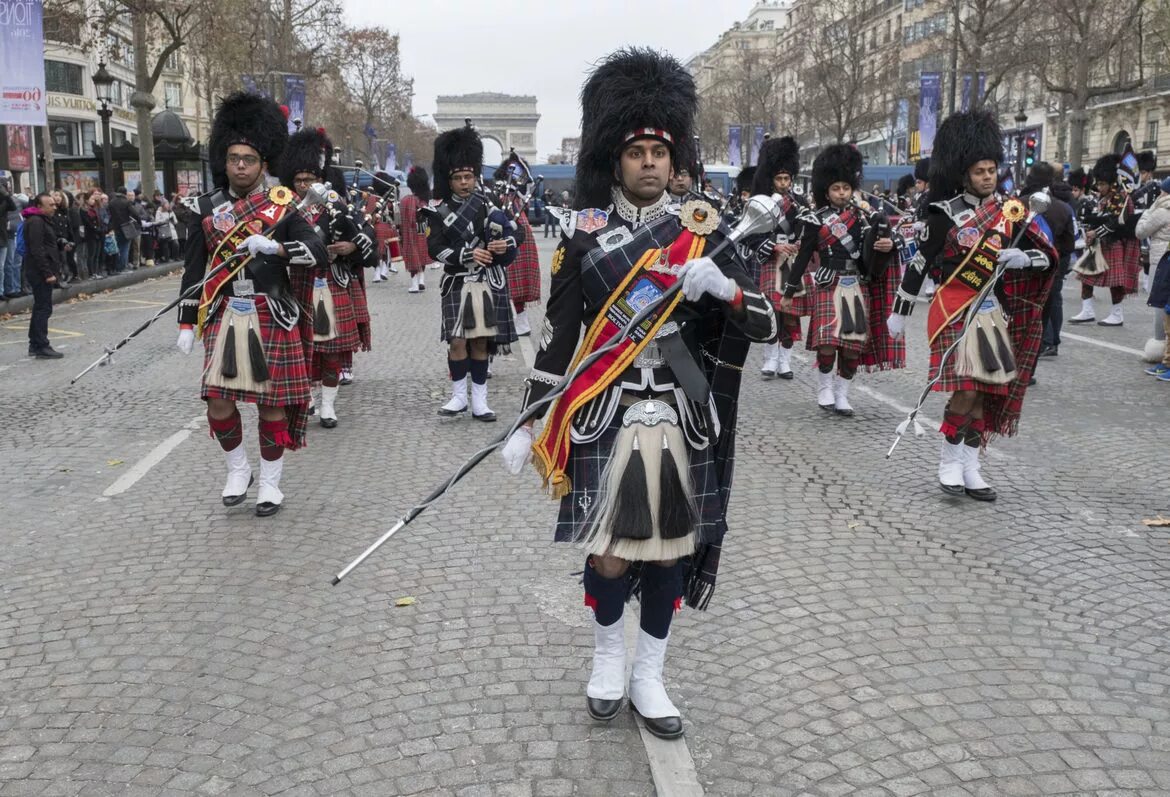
[247,160]
[304,180]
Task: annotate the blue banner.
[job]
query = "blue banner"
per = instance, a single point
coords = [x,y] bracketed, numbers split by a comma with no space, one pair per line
[899,145]
[733,145]
[294,98]
[391,157]
[929,107]
[22,63]
[757,142]
[969,98]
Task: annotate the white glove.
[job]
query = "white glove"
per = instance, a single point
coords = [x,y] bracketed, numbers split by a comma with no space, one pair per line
[518,450]
[703,276]
[259,244]
[897,325]
[1014,258]
[186,340]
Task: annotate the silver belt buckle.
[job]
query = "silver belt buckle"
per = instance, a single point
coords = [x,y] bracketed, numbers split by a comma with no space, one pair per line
[650,357]
[243,288]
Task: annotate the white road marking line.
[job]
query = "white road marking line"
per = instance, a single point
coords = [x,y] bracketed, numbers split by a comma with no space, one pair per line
[155,456]
[1102,343]
[526,351]
[671,764]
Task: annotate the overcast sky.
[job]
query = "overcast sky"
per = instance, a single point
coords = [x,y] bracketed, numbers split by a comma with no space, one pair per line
[538,47]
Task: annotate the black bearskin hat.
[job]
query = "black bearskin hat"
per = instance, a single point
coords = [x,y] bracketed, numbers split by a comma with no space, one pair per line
[306,152]
[745,179]
[382,183]
[905,185]
[501,172]
[456,149]
[1078,179]
[1105,169]
[419,183]
[776,155]
[633,93]
[1147,160]
[836,163]
[244,118]
[922,170]
[962,140]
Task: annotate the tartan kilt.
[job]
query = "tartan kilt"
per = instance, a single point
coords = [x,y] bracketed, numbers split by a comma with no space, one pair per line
[414,243]
[950,380]
[524,273]
[361,313]
[771,286]
[824,318]
[586,466]
[347,332]
[505,327]
[384,232]
[288,372]
[1125,264]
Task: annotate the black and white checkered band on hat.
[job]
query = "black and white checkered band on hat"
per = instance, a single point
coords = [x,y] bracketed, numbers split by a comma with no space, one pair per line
[648,132]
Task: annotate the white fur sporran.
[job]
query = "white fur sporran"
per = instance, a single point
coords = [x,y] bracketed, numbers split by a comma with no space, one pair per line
[477,311]
[1092,263]
[985,354]
[783,273]
[850,311]
[239,324]
[324,315]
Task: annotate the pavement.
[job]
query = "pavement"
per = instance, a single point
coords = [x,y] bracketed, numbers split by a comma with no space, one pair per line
[80,289]
[869,635]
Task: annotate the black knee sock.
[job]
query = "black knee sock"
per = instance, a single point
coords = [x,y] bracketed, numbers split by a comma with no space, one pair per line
[479,369]
[457,368]
[661,597]
[605,596]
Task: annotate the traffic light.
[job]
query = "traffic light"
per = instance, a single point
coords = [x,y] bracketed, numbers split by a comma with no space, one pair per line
[1030,149]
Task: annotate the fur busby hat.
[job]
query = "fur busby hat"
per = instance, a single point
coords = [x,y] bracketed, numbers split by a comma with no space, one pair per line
[777,155]
[419,182]
[962,140]
[1105,169]
[745,179]
[922,170]
[905,185]
[244,118]
[306,152]
[1078,179]
[634,93]
[383,183]
[836,163]
[456,150]
[1147,160]
[505,166]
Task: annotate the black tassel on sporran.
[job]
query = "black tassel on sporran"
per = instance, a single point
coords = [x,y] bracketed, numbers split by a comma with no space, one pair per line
[229,369]
[320,319]
[677,516]
[987,356]
[860,320]
[1005,351]
[847,325]
[489,310]
[469,312]
[631,505]
[256,358]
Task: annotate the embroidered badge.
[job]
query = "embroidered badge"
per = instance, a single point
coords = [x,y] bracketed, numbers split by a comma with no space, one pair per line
[591,219]
[558,259]
[967,237]
[644,293]
[222,218]
[839,230]
[699,216]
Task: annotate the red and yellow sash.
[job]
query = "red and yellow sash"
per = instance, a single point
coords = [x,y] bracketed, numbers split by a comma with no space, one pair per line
[960,289]
[226,228]
[644,282]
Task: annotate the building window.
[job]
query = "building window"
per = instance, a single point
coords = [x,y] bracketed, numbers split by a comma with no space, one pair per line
[173,61]
[173,95]
[63,136]
[62,77]
[116,93]
[119,137]
[88,137]
[1151,141]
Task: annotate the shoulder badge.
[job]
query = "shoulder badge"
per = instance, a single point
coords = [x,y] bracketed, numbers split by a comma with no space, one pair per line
[558,259]
[1014,211]
[699,216]
[591,220]
[280,195]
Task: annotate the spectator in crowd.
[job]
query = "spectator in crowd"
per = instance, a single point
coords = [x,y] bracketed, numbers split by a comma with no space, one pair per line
[7,206]
[42,268]
[550,221]
[95,234]
[122,223]
[183,218]
[1061,220]
[1154,224]
[77,255]
[167,246]
[12,263]
[144,212]
[66,239]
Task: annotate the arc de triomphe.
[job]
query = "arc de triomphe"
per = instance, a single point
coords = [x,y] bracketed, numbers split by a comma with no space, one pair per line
[509,120]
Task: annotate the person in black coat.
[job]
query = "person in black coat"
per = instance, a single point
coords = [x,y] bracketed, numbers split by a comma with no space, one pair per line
[1061,220]
[120,216]
[42,267]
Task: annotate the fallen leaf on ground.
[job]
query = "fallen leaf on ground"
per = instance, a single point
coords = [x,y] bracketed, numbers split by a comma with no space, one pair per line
[1156,521]
[113,462]
[408,601]
[854,524]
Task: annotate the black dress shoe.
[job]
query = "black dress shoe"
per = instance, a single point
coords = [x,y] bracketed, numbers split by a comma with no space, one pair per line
[1049,351]
[662,727]
[786,375]
[267,509]
[329,423]
[422,286]
[236,500]
[446,413]
[953,489]
[603,710]
[985,494]
[47,353]
[768,375]
[345,381]
[487,417]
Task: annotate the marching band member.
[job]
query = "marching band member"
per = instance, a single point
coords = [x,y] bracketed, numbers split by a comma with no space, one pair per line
[1114,258]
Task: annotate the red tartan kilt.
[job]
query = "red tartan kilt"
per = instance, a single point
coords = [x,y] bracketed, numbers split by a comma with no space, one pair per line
[771,287]
[1125,264]
[361,312]
[951,381]
[524,273]
[347,325]
[288,383]
[383,233]
[824,318]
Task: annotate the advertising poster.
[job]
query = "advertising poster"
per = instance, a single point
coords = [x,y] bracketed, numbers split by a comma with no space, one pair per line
[22,63]
[733,145]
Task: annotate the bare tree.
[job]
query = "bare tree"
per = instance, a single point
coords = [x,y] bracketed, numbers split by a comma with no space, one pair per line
[369,64]
[1088,52]
[989,41]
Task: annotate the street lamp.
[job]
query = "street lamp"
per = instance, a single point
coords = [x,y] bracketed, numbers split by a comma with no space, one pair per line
[1021,119]
[103,83]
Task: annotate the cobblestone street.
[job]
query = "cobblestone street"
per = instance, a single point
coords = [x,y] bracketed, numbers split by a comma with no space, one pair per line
[869,635]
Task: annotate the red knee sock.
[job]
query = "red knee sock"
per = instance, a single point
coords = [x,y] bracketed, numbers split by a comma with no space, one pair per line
[228,431]
[825,361]
[274,438]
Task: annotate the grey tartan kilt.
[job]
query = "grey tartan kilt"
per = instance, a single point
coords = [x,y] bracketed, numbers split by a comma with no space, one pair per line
[505,327]
[587,464]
